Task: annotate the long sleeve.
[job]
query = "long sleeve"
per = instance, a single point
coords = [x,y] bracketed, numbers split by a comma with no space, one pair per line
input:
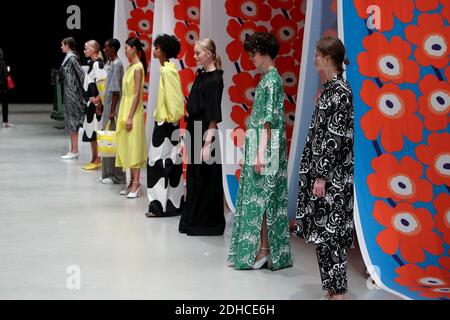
[170,103]
[333,134]
[213,107]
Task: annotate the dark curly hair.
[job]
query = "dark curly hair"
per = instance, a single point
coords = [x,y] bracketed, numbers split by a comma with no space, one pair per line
[170,45]
[263,43]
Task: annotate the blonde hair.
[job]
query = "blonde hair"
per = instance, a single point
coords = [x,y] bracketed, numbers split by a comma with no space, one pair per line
[209,46]
[95,46]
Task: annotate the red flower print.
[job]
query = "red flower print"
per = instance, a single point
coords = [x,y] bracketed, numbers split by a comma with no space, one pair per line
[235,49]
[243,90]
[442,206]
[407,228]
[285,30]
[297,46]
[433,40]
[427,5]
[433,293]
[141,21]
[437,156]
[447,73]
[432,282]
[253,10]
[402,9]
[142,3]
[289,72]
[388,60]
[393,114]
[281,4]
[298,10]
[188,35]
[240,116]
[446,10]
[289,111]
[187,77]
[399,180]
[445,262]
[434,104]
[188,10]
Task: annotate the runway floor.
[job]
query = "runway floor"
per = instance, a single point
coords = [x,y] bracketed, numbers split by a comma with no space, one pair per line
[57,221]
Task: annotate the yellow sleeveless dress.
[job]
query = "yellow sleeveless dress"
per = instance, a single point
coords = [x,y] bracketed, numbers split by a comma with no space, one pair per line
[131,146]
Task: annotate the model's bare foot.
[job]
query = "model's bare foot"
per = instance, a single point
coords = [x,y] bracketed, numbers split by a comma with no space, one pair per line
[262,253]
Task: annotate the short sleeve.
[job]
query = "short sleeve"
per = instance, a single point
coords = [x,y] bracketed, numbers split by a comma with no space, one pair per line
[213,100]
[115,82]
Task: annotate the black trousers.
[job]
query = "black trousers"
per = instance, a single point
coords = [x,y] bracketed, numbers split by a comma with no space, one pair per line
[4,101]
[332,259]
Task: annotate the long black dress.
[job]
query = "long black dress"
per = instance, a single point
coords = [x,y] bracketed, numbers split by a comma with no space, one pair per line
[203,214]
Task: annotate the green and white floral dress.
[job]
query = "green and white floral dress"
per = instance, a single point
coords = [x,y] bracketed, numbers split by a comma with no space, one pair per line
[264,193]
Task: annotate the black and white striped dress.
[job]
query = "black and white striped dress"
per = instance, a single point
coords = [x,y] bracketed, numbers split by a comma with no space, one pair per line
[72,78]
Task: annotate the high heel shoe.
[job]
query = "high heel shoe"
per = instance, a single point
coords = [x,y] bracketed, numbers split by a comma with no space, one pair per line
[135,195]
[261,263]
[127,190]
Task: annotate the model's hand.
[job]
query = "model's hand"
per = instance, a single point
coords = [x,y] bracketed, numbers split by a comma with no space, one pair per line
[206,152]
[129,125]
[96,100]
[259,164]
[319,188]
[99,109]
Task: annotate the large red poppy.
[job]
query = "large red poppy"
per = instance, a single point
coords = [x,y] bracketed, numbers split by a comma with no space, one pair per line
[187,78]
[434,102]
[432,282]
[188,35]
[437,156]
[243,89]
[289,72]
[285,30]
[442,206]
[399,180]
[188,10]
[402,9]
[141,21]
[432,38]
[235,49]
[407,228]
[253,10]
[388,60]
[393,114]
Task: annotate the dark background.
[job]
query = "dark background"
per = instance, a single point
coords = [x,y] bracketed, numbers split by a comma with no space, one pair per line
[31,33]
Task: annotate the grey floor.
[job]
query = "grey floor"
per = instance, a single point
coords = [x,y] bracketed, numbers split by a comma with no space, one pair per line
[60,228]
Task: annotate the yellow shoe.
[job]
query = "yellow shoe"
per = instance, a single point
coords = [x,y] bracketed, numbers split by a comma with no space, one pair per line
[94,166]
[85,167]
